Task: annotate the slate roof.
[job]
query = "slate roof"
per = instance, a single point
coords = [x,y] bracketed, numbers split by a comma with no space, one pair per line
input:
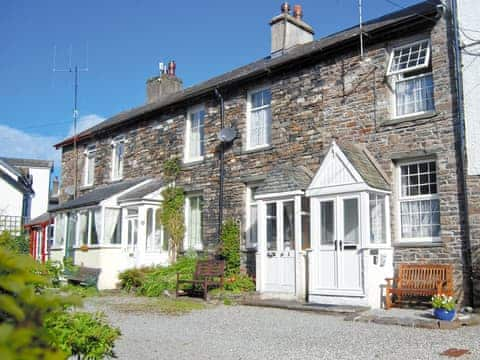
[142,191]
[99,194]
[418,13]
[39,219]
[285,178]
[365,165]
[14,162]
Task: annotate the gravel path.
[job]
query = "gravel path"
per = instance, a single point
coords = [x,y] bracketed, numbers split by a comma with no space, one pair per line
[240,332]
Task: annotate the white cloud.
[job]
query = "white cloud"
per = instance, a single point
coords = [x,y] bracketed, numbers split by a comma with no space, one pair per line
[20,144]
[86,122]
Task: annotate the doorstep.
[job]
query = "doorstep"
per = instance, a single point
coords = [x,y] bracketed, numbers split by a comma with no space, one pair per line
[413,318]
[306,307]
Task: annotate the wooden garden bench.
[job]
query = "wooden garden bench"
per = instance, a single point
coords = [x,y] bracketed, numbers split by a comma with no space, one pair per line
[419,280]
[84,276]
[208,273]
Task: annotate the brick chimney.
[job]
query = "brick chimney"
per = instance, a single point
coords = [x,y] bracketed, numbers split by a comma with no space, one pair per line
[289,30]
[165,84]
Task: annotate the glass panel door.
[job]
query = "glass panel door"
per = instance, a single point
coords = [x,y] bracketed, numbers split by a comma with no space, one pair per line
[272,227]
[327,223]
[288,226]
[350,222]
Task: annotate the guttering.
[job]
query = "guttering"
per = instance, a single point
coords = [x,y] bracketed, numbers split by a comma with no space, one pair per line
[222,164]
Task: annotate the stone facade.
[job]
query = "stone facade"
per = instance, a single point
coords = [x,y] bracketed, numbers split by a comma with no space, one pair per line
[332,97]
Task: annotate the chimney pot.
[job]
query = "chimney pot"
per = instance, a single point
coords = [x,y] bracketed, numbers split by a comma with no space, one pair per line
[285,8]
[171,68]
[297,12]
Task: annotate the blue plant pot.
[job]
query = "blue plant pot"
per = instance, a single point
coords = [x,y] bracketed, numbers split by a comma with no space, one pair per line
[442,314]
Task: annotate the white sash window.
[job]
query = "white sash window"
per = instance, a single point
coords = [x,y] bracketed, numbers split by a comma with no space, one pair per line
[419,203]
[259,123]
[89,170]
[195,135]
[193,209]
[118,152]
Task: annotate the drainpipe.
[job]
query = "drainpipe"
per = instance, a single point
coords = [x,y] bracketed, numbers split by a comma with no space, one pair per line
[222,165]
[461,117]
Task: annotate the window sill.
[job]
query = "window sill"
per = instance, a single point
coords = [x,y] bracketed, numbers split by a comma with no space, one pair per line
[257,149]
[193,162]
[418,244]
[56,248]
[415,117]
[87,187]
[115,180]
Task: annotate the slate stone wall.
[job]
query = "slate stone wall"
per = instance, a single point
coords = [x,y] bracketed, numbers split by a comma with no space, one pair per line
[312,104]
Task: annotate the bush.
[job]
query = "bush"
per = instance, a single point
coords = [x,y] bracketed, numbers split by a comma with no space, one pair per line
[231,247]
[239,283]
[165,278]
[18,244]
[23,306]
[80,334]
[54,269]
[132,279]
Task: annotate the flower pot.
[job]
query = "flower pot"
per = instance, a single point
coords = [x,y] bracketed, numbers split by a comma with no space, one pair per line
[442,314]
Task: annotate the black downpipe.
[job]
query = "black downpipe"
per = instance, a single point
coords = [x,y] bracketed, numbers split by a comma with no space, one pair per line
[222,165]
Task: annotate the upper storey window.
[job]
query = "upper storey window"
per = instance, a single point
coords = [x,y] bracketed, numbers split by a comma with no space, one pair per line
[118,152]
[410,70]
[195,135]
[89,169]
[259,119]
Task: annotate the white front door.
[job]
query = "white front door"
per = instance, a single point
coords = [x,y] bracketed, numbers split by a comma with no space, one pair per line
[130,241]
[280,251]
[336,265]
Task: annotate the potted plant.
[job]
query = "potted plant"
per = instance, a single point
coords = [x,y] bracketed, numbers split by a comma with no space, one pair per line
[444,307]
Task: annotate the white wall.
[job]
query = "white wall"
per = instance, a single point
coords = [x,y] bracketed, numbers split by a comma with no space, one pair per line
[11,200]
[469,19]
[41,187]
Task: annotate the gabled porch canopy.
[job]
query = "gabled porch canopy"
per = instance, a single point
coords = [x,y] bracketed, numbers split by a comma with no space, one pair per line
[345,168]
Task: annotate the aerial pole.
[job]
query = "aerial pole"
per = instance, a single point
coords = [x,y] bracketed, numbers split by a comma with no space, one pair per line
[75,70]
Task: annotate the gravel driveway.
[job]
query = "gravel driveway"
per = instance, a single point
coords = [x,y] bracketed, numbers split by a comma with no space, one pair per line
[240,332]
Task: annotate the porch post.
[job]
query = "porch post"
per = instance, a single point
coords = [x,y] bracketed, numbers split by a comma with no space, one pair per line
[299,258]
[262,246]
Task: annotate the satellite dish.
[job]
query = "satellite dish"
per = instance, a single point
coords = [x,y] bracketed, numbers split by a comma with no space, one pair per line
[69,190]
[227,134]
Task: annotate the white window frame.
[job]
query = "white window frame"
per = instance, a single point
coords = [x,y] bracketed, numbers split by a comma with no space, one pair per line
[89,152]
[115,142]
[188,134]
[150,249]
[400,199]
[417,67]
[249,119]
[395,96]
[90,214]
[58,231]
[249,202]
[186,241]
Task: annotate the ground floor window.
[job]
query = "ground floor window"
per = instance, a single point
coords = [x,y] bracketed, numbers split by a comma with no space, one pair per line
[377,219]
[59,238]
[251,218]
[305,213]
[194,219]
[157,239]
[88,227]
[132,227]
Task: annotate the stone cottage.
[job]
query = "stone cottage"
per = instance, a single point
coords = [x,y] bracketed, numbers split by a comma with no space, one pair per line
[343,164]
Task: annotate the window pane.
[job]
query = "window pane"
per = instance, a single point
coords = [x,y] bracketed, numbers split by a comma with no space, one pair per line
[327,219]
[409,57]
[350,223]
[288,226]
[59,230]
[414,95]
[194,231]
[419,179]
[149,228]
[420,219]
[197,135]
[159,233]
[305,223]
[377,219]
[95,226]
[271,227]
[113,226]
[83,228]
[260,119]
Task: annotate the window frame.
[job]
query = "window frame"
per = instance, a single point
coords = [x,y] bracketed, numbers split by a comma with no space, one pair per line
[115,142]
[395,96]
[89,150]
[249,202]
[186,241]
[400,199]
[266,144]
[415,68]
[188,133]
[153,227]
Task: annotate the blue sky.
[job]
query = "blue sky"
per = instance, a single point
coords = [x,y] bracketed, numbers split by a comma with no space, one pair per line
[126,40]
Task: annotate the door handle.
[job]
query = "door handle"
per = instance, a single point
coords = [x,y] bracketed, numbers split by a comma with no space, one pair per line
[335,242]
[341,245]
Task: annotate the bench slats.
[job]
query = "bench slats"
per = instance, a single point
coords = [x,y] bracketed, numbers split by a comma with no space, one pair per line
[420,280]
[207,273]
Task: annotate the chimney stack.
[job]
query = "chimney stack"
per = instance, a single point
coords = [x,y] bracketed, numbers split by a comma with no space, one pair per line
[289,31]
[165,84]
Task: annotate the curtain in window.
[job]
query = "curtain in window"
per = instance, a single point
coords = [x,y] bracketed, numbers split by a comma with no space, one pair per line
[414,95]
[420,219]
[196,134]
[377,219]
[260,130]
[59,230]
[118,161]
[149,228]
[288,226]
[272,227]
[195,226]
[83,228]
[90,168]
[112,217]
[159,233]
[97,230]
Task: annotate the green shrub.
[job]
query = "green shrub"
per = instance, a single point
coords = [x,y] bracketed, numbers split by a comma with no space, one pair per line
[80,291]
[18,244]
[24,304]
[230,250]
[239,283]
[132,279]
[81,334]
[165,278]
[54,270]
